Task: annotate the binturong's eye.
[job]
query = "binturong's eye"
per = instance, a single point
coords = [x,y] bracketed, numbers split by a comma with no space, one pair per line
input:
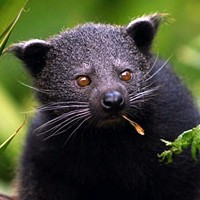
[83,81]
[126,75]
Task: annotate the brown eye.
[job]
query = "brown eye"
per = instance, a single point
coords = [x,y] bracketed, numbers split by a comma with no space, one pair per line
[83,81]
[126,75]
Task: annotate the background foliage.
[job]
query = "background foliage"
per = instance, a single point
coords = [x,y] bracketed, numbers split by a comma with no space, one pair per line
[40,19]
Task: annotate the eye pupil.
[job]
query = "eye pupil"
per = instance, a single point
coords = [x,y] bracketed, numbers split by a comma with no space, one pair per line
[126,75]
[83,81]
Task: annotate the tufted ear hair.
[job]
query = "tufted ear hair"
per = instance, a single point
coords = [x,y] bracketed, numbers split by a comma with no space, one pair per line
[143,30]
[32,53]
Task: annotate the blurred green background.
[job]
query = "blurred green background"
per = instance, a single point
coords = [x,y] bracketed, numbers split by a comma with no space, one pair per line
[41,19]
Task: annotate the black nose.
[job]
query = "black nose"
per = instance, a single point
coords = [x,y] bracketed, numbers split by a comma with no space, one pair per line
[113,100]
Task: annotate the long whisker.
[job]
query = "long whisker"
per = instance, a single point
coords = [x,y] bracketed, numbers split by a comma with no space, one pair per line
[149,86]
[36,89]
[59,107]
[76,130]
[67,103]
[164,65]
[67,122]
[132,104]
[57,119]
[50,122]
[153,65]
[62,105]
[143,94]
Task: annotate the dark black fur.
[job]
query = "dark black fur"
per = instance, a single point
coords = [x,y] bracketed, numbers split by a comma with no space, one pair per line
[92,153]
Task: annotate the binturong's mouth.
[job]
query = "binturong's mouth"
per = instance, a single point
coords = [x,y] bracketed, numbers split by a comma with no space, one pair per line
[113,119]
[113,103]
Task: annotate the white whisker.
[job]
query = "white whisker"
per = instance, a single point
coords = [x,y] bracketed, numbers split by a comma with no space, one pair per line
[57,119]
[76,130]
[153,65]
[164,64]
[59,107]
[67,122]
[36,89]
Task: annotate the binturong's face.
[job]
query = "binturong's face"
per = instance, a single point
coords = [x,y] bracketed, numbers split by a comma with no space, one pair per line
[93,73]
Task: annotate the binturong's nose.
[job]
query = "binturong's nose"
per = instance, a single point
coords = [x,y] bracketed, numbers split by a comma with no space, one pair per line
[112,101]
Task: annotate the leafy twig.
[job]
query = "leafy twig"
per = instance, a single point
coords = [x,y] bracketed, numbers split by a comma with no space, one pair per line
[7,142]
[187,138]
[10,12]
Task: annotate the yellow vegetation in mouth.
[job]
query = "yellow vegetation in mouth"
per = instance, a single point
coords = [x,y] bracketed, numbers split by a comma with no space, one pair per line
[137,127]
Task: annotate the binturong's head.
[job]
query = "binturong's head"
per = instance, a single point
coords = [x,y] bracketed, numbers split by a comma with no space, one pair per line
[93,73]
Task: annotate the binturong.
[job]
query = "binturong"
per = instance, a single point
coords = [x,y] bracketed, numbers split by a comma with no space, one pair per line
[105,103]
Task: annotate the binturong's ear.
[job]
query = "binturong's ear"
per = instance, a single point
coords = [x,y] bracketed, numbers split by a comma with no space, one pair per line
[32,53]
[143,30]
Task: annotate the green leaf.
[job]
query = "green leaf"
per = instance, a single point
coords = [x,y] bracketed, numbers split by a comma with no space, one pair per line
[10,12]
[185,140]
[7,142]
[196,142]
